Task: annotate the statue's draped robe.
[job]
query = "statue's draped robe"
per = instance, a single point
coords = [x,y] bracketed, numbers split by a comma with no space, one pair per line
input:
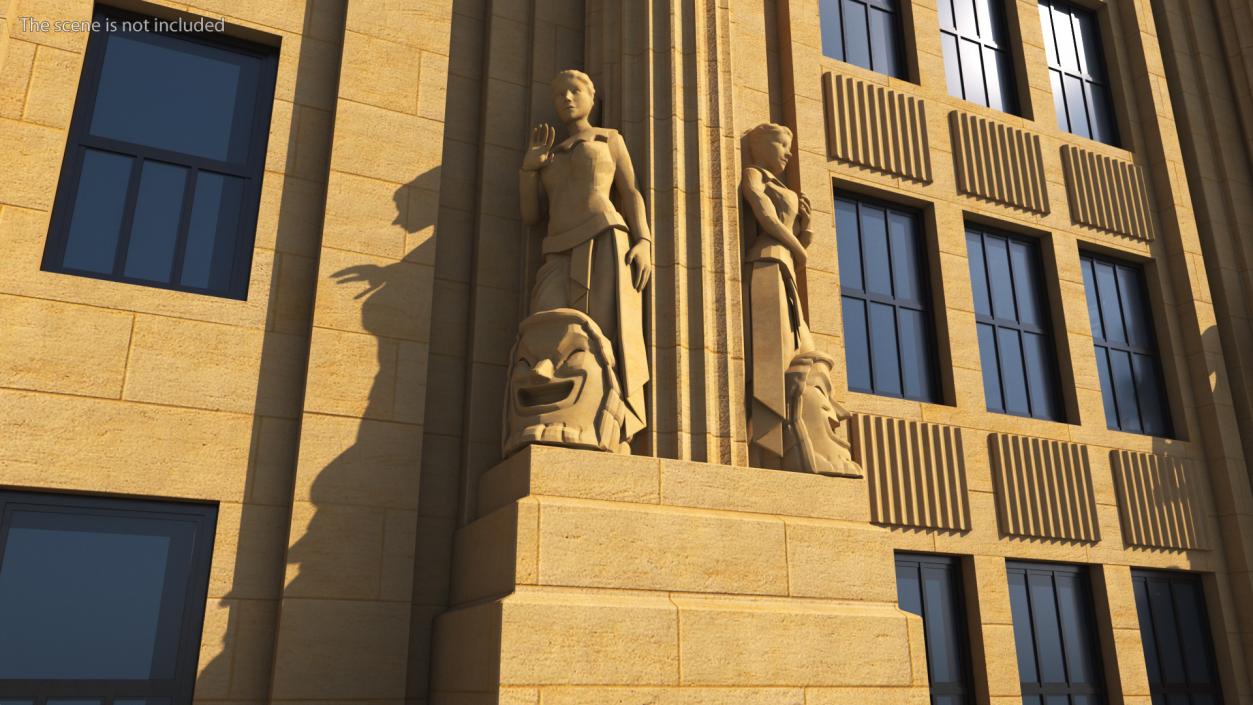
[776,321]
[585,265]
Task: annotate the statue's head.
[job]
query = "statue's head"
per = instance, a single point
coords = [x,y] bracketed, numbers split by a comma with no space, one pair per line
[770,146]
[562,387]
[573,95]
[812,441]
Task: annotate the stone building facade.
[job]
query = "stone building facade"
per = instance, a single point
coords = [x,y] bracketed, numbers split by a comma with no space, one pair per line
[335,412]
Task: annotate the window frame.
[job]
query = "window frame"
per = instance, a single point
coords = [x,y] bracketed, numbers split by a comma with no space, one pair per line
[1172,578]
[1046,329]
[1099,692]
[79,141]
[952,568]
[923,306]
[179,689]
[1100,344]
[897,10]
[1089,80]
[1004,47]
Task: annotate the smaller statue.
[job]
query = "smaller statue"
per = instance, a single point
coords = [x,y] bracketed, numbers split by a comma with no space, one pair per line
[562,388]
[811,438]
[787,427]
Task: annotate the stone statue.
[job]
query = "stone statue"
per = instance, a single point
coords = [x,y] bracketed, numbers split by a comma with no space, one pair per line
[811,439]
[778,335]
[562,389]
[597,260]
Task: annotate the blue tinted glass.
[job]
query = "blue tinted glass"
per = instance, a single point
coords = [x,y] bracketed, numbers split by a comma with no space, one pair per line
[905,265]
[1087,49]
[1094,308]
[942,637]
[856,344]
[212,231]
[75,701]
[1048,635]
[946,14]
[915,362]
[1000,285]
[964,13]
[141,701]
[80,603]
[1107,387]
[1024,641]
[96,221]
[1134,307]
[883,42]
[1148,636]
[1170,649]
[972,72]
[1013,375]
[996,68]
[988,12]
[908,588]
[1149,392]
[177,95]
[1039,386]
[848,242]
[1073,610]
[1190,615]
[1102,113]
[887,375]
[1059,100]
[1026,284]
[154,231]
[1064,33]
[1050,42]
[1124,391]
[1076,108]
[874,241]
[829,18]
[991,367]
[856,34]
[978,274]
[1111,310]
[952,65]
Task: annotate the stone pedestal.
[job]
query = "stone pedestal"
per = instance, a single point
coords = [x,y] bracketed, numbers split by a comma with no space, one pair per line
[599,579]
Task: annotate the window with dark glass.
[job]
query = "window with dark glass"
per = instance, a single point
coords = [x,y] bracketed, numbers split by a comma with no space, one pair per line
[101,600]
[883,280]
[162,173]
[1072,41]
[930,587]
[1058,656]
[1126,348]
[977,60]
[1174,629]
[863,32]
[1015,333]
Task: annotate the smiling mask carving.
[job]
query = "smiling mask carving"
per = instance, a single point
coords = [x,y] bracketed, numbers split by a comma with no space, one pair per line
[812,441]
[562,387]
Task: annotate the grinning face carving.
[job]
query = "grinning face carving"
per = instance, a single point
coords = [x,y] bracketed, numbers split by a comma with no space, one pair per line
[812,441]
[562,387]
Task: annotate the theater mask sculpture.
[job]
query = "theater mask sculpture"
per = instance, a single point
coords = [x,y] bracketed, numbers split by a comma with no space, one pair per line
[597,262]
[562,388]
[776,239]
[811,437]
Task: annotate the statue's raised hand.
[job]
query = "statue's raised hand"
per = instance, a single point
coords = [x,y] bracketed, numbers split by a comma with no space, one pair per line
[539,151]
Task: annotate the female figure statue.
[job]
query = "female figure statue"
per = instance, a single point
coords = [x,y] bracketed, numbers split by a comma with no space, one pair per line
[596,260]
[777,327]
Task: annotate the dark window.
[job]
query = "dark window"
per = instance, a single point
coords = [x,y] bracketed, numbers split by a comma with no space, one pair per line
[930,586]
[863,32]
[1015,335]
[883,279]
[1126,348]
[1174,628]
[977,61]
[1058,658]
[101,598]
[1072,40]
[162,173]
